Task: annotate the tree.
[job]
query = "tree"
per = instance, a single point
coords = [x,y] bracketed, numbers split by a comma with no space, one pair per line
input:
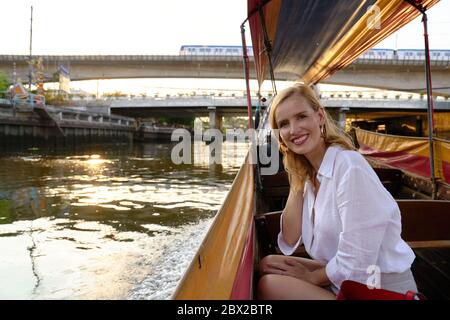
[4,82]
[186,121]
[115,94]
[55,99]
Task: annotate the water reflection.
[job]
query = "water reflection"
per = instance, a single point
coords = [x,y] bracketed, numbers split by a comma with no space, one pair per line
[73,221]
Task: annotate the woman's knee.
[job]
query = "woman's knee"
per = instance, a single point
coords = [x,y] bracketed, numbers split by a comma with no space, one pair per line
[266,285]
[275,287]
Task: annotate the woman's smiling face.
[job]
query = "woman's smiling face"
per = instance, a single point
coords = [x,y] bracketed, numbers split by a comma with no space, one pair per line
[299,124]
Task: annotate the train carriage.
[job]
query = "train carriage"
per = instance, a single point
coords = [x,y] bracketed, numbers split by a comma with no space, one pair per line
[372,54]
[208,50]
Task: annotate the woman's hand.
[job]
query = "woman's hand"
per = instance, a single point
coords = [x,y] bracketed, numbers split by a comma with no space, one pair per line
[289,267]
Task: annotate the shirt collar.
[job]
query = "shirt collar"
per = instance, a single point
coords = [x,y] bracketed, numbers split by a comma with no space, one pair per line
[327,165]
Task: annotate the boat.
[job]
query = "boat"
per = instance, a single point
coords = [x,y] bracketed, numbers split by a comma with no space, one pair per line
[310,40]
[153,132]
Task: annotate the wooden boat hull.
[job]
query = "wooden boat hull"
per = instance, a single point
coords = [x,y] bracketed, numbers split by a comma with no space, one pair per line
[217,264]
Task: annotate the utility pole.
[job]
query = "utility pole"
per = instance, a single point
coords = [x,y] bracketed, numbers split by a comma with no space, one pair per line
[14,73]
[30,66]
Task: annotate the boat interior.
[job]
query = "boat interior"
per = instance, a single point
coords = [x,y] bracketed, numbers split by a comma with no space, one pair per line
[282,33]
[424,225]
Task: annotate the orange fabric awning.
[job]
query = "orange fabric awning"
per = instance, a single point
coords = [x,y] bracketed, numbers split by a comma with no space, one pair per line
[406,153]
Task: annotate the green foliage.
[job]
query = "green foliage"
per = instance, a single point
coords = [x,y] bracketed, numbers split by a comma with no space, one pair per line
[115,94]
[188,121]
[235,122]
[56,100]
[55,77]
[4,82]
[5,211]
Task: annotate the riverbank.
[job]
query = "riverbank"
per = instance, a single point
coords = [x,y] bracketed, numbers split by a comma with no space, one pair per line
[59,125]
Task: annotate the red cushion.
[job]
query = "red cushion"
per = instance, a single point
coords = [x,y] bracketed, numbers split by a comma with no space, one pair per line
[352,290]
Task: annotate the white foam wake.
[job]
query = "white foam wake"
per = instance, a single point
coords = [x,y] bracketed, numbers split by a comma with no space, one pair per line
[166,270]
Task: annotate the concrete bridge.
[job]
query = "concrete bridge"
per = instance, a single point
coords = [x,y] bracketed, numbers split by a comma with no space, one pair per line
[389,74]
[200,106]
[339,105]
[113,118]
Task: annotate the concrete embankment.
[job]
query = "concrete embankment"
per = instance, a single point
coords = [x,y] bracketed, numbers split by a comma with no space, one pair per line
[61,125]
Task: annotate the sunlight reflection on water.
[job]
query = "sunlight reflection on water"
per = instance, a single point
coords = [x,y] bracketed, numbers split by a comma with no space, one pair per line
[110,224]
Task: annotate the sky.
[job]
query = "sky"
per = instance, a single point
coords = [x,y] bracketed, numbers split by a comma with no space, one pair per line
[119,27]
[156,26]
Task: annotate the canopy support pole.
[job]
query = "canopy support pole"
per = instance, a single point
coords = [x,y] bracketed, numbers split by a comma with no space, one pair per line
[431,128]
[247,77]
[268,49]
[30,66]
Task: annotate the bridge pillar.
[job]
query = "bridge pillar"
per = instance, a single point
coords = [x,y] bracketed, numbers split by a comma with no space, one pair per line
[215,149]
[215,118]
[342,117]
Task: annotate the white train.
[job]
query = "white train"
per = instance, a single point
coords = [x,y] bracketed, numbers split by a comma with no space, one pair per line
[378,54]
[405,54]
[414,54]
[214,50]
[382,54]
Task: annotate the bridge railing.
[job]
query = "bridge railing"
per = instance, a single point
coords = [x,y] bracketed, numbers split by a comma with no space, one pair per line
[443,61]
[337,95]
[76,116]
[375,95]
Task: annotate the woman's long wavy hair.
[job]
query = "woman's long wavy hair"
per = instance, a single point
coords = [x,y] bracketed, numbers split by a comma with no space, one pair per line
[298,167]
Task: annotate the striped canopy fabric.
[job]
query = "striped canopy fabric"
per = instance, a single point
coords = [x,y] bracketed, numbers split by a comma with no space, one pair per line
[409,154]
[312,39]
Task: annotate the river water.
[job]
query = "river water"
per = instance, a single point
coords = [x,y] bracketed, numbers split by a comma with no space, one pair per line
[105,222]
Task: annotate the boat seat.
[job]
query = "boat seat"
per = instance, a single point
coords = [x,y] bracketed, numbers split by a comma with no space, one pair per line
[390,178]
[432,272]
[268,227]
[425,224]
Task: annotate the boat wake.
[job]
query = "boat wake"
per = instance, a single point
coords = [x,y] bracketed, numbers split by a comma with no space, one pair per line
[165,272]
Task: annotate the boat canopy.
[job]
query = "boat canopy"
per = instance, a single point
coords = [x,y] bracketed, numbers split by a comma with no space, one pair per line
[410,154]
[311,39]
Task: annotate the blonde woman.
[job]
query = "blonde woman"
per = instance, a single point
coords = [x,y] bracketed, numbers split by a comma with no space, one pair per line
[337,207]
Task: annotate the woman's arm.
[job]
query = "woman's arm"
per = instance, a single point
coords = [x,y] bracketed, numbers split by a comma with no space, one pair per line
[292,217]
[308,270]
[365,209]
[318,277]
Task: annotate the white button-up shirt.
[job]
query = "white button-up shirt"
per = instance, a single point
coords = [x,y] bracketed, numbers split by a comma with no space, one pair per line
[357,224]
